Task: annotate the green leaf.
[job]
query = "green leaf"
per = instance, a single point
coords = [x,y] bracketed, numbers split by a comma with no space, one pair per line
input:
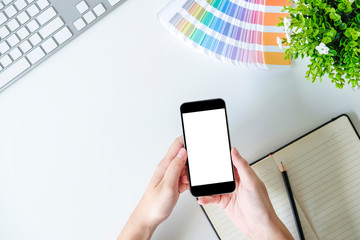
[343,26]
[341,7]
[353,43]
[347,32]
[332,15]
[357,18]
[338,23]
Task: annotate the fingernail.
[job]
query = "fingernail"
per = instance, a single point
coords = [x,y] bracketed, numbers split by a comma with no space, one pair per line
[181,153]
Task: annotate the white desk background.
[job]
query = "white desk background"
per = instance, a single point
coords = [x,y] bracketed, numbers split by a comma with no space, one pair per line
[81,135]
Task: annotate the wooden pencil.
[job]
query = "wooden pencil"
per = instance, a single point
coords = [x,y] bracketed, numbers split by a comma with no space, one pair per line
[292,202]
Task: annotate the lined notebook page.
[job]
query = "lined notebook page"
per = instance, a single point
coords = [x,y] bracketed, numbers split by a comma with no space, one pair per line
[324,171]
[269,173]
[222,224]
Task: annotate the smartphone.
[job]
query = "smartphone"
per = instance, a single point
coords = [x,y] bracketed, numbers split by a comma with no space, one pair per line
[207,141]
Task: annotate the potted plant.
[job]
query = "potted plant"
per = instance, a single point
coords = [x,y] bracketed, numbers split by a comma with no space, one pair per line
[328,32]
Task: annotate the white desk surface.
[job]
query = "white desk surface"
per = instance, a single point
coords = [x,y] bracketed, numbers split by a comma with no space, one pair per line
[81,135]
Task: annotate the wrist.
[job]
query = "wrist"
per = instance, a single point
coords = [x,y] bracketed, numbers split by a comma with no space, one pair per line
[280,231]
[144,223]
[138,227]
[275,229]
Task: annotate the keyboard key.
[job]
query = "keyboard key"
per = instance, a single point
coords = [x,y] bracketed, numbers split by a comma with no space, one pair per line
[10,11]
[89,17]
[13,71]
[13,40]
[23,17]
[35,55]
[35,39]
[42,4]
[20,4]
[63,35]
[49,45]
[4,32]
[23,33]
[25,46]
[51,27]
[113,2]
[13,25]
[33,10]
[5,61]
[79,24]
[99,9]
[15,54]
[3,18]
[30,1]
[4,47]
[82,7]
[6,2]
[1,5]
[45,16]
[32,25]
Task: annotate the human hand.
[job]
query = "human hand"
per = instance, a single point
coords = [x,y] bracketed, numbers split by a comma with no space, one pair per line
[249,206]
[169,180]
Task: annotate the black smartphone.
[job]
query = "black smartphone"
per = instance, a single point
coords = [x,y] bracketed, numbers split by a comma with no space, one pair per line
[207,141]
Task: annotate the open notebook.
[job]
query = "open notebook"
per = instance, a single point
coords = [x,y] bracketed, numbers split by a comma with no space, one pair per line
[324,171]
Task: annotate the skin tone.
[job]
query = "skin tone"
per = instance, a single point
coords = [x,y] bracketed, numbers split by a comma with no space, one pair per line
[160,196]
[249,206]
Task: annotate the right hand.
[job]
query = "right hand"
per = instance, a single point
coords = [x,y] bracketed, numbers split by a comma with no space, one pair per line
[249,206]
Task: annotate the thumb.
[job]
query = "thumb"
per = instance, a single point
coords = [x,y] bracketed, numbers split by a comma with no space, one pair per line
[242,166]
[172,174]
[209,200]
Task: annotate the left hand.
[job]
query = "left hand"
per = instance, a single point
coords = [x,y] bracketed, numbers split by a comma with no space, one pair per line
[169,180]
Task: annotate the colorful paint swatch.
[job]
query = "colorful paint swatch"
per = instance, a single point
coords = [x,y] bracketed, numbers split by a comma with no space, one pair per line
[242,32]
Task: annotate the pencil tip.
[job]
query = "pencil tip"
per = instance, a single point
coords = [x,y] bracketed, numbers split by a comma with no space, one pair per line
[282,167]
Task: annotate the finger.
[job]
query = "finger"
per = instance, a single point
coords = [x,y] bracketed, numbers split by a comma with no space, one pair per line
[184,179]
[172,174]
[184,175]
[246,173]
[173,150]
[225,199]
[183,187]
[209,200]
[184,172]
[164,164]
[237,177]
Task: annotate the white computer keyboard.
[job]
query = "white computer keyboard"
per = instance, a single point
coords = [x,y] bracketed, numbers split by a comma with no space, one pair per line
[31,30]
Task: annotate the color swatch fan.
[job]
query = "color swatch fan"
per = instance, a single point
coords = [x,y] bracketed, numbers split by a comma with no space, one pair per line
[242,32]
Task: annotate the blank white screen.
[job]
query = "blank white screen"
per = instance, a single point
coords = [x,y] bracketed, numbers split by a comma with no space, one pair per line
[207,145]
